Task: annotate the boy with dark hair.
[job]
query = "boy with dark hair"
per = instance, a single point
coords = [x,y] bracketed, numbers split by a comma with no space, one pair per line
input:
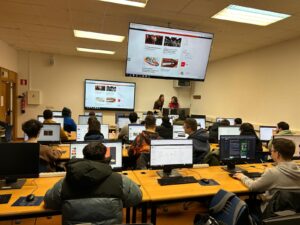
[283,128]
[124,131]
[165,130]
[69,124]
[91,191]
[48,155]
[48,118]
[200,140]
[238,121]
[285,175]
[141,144]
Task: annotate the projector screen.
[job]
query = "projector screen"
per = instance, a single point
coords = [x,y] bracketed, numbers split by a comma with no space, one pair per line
[158,52]
[110,95]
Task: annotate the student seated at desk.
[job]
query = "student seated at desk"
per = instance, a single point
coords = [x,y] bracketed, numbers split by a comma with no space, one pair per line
[165,130]
[200,140]
[91,192]
[285,175]
[283,128]
[69,124]
[123,135]
[214,130]
[141,144]
[247,129]
[238,121]
[181,118]
[48,118]
[48,155]
[94,132]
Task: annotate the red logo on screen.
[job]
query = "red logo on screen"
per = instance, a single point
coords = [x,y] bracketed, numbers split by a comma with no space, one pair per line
[119,100]
[182,64]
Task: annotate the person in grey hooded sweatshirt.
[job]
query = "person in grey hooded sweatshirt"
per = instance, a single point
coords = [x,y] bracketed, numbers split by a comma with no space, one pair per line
[285,175]
[91,192]
[200,140]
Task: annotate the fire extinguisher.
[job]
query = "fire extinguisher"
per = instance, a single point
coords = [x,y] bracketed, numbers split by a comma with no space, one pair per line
[22,102]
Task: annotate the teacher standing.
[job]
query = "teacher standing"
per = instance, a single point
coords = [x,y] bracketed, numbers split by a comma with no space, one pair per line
[158,104]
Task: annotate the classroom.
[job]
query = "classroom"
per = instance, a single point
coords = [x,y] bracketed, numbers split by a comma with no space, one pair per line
[252,73]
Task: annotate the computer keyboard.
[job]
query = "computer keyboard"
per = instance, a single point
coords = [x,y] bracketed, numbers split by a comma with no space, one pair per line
[4,198]
[176,180]
[53,174]
[252,174]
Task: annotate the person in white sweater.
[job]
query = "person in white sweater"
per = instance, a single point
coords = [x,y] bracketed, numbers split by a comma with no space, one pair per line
[285,175]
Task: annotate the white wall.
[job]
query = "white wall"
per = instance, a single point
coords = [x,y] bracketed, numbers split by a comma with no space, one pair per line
[8,57]
[62,84]
[261,86]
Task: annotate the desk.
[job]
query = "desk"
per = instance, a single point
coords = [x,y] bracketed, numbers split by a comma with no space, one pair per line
[173,193]
[8,212]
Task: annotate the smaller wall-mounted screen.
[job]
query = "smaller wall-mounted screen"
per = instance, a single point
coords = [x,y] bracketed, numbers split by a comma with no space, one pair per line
[109,95]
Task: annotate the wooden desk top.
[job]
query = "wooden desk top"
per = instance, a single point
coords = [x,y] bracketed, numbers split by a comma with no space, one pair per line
[171,192]
[43,185]
[131,175]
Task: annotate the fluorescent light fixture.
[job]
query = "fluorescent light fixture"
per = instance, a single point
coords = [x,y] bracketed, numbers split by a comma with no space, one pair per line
[249,15]
[98,36]
[136,3]
[99,51]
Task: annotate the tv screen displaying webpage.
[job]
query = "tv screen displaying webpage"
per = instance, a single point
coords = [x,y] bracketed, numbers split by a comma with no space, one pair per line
[159,52]
[109,95]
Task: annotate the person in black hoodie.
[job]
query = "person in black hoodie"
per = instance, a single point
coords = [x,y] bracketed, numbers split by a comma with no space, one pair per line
[165,130]
[94,130]
[200,140]
[91,192]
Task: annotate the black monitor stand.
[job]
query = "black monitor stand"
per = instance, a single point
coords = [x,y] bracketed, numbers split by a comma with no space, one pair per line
[12,184]
[168,172]
[231,168]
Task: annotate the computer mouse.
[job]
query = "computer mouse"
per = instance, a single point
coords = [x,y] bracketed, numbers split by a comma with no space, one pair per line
[205,181]
[30,197]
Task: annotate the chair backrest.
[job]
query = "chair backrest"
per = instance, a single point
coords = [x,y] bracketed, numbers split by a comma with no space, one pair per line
[229,209]
[283,200]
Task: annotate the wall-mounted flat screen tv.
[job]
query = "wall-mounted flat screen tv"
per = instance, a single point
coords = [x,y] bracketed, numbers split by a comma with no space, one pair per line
[160,52]
[109,95]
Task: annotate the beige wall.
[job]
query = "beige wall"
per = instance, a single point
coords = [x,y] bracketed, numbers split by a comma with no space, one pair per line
[62,84]
[261,86]
[8,57]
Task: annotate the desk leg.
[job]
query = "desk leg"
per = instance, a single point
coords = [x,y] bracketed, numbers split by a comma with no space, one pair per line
[153,213]
[144,212]
[133,219]
[128,215]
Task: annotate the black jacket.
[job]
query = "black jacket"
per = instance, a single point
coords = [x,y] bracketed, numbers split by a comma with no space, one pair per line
[200,145]
[165,130]
[92,193]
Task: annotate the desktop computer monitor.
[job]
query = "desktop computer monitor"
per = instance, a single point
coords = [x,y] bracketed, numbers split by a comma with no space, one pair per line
[231,130]
[158,121]
[83,129]
[169,154]
[18,160]
[295,139]
[57,119]
[50,133]
[113,150]
[201,120]
[57,113]
[122,121]
[178,132]
[231,120]
[83,119]
[236,149]
[266,132]
[134,130]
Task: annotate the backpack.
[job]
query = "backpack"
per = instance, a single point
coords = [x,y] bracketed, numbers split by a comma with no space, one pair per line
[227,208]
